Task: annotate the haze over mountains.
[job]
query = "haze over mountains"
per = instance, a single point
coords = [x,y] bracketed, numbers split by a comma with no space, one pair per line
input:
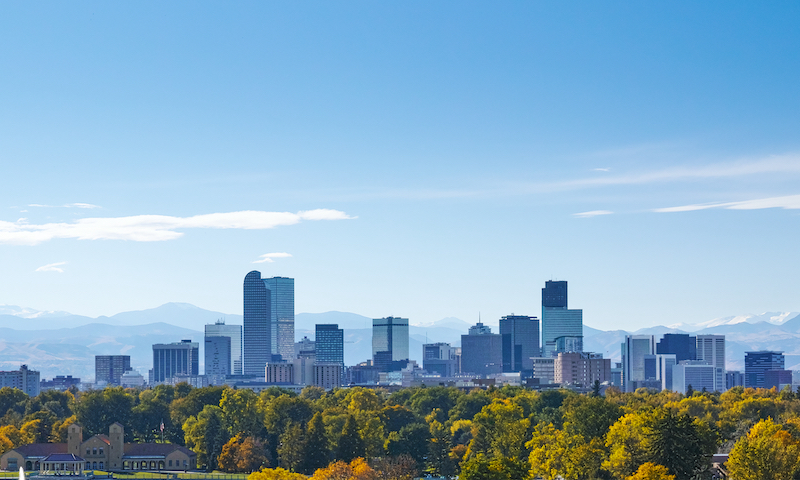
[59,343]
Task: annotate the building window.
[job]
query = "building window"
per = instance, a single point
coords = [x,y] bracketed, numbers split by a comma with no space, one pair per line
[101,450]
[101,465]
[94,451]
[88,452]
[170,463]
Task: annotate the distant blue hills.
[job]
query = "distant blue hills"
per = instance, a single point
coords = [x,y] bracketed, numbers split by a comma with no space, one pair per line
[59,343]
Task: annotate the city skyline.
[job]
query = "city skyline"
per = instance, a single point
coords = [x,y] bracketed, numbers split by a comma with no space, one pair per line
[389,155]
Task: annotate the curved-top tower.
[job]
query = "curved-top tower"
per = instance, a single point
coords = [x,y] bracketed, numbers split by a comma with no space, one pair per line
[257,330]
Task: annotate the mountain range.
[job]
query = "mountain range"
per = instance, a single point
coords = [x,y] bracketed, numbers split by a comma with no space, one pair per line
[59,343]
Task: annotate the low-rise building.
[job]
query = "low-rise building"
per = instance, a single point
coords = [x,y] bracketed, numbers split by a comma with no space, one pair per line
[100,452]
[581,368]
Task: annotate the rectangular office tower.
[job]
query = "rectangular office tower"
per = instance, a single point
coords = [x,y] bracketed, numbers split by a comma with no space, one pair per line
[634,351]
[389,341]
[234,332]
[711,349]
[520,342]
[481,351]
[281,310]
[562,328]
[440,358]
[329,344]
[682,345]
[218,355]
[756,364]
[179,358]
[109,368]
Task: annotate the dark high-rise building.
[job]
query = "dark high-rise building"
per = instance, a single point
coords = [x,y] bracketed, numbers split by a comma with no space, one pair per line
[281,316]
[109,368]
[683,345]
[173,359]
[520,342]
[389,341]
[329,344]
[257,329]
[482,351]
[757,363]
[218,355]
[562,328]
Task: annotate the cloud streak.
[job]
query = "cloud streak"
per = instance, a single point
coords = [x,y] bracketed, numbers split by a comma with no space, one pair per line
[69,205]
[593,213]
[155,228]
[789,202]
[268,257]
[52,267]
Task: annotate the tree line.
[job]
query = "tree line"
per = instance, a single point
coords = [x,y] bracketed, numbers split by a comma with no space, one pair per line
[508,433]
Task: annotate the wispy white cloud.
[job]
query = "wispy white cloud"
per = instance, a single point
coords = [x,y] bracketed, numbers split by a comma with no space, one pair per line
[790,202]
[68,205]
[770,165]
[601,169]
[268,257]
[155,228]
[52,267]
[593,213]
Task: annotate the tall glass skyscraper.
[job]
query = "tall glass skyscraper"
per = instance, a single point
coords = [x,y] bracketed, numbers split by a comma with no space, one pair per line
[756,364]
[281,315]
[389,340]
[560,325]
[257,347]
[329,344]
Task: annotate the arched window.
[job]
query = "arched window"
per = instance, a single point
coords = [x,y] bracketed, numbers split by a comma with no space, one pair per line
[102,466]
[94,465]
[28,466]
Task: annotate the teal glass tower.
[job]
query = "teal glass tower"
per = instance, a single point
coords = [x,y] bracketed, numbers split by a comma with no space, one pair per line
[257,329]
[562,328]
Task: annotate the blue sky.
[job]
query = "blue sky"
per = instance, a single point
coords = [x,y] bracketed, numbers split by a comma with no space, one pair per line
[420,159]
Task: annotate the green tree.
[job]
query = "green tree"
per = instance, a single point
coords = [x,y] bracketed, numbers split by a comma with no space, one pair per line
[351,446]
[680,443]
[291,445]
[98,409]
[438,461]
[205,435]
[317,451]
[480,467]
[411,440]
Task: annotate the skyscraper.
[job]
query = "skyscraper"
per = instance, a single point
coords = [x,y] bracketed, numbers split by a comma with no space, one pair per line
[329,344]
[520,342]
[218,355]
[234,332]
[561,327]
[711,349]
[481,351]
[389,340]
[683,345]
[634,351]
[281,315]
[756,364]
[257,347]
[109,368]
[171,359]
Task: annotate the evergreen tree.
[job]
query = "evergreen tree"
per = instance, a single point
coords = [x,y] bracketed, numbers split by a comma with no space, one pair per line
[317,452]
[351,445]
[291,448]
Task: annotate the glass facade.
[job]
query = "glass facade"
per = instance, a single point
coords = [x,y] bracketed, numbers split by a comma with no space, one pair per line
[170,359]
[218,355]
[634,351]
[758,363]
[559,321]
[390,336]
[234,332]
[520,342]
[329,344]
[281,315]
[683,345]
[257,331]
[109,368]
